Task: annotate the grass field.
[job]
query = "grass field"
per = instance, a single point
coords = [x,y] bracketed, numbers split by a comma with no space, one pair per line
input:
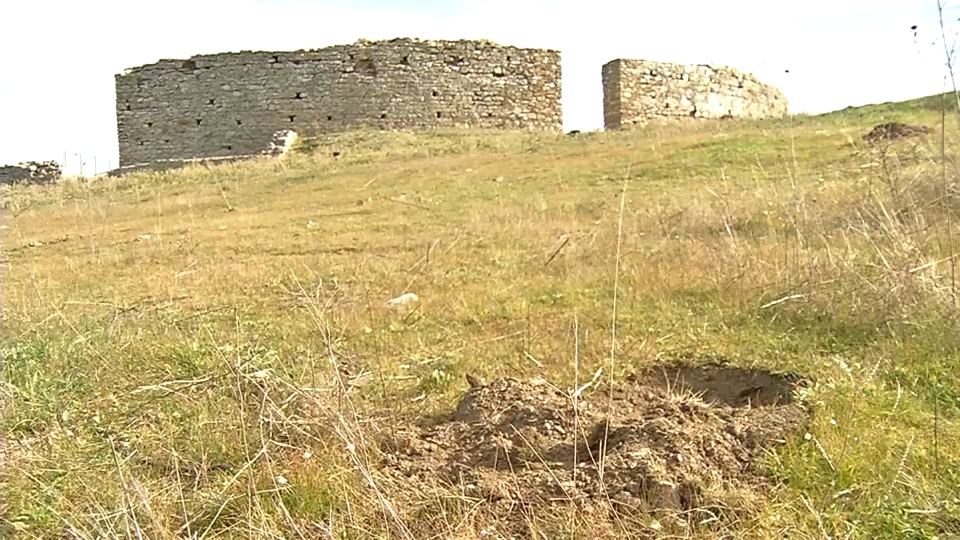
[210,353]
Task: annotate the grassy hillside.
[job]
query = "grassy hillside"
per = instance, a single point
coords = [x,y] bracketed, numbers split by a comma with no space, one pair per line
[210,353]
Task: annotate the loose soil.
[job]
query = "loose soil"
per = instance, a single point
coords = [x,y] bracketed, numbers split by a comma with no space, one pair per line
[675,440]
[894,130]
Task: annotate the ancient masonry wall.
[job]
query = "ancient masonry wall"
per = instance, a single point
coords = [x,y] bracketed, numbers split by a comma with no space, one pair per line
[232,104]
[638,91]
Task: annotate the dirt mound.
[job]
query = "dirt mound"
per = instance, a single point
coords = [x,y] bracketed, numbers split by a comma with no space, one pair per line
[894,130]
[669,439]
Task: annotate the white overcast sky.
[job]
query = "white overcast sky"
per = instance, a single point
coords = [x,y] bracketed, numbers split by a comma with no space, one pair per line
[58,57]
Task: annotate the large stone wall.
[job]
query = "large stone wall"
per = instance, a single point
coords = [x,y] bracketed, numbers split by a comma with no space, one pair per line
[638,91]
[232,104]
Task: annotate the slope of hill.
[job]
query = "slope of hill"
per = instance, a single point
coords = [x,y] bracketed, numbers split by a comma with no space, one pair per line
[211,352]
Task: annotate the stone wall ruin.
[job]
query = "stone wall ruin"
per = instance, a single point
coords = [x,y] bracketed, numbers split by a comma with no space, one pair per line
[232,104]
[638,91]
[31,172]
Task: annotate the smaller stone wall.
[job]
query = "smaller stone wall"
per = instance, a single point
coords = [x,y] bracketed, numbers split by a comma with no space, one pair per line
[638,91]
[31,172]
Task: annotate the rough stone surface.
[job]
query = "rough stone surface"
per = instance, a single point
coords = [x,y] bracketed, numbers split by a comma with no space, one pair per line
[231,104]
[31,172]
[638,91]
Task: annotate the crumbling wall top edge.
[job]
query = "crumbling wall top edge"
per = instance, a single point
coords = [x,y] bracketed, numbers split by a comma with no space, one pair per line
[717,68]
[170,63]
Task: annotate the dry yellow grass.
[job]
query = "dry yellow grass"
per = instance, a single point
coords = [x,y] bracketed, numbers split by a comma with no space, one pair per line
[204,353]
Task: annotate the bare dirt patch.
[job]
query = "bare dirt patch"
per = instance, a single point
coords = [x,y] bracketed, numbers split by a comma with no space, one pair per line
[674,440]
[893,131]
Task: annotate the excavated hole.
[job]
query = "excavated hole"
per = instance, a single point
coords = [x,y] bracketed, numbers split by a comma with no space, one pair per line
[731,386]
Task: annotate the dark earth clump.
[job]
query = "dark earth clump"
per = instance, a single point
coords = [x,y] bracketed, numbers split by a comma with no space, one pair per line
[893,131]
[676,440]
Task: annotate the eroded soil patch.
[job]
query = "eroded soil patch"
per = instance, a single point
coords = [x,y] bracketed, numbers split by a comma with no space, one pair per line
[894,130]
[671,439]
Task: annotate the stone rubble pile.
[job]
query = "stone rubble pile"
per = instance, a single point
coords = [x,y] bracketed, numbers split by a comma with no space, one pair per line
[31,172]
[282,142]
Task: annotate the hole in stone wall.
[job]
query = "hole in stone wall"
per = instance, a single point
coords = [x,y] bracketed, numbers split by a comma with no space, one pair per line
[275,59]
[693,112]
[666,105]
[434,93]
[199,121]
[213,101]
[149,124]
[141,143]
[239,122]
[189,64]
[297,62]
[454,60]
[367,65]
[439,114]
[128,106]
[382,116]
[329,118]
[299,95]
[509,59]
[405,61]
[228,147]
[292,117]
[166,141]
